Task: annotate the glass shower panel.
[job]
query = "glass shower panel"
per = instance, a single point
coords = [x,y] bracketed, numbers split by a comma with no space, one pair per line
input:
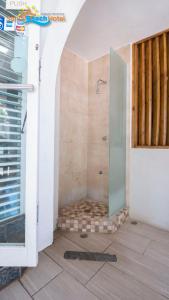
[117,133]
[13,115]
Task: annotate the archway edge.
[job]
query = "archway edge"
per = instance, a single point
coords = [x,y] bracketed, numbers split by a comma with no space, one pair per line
[57,35]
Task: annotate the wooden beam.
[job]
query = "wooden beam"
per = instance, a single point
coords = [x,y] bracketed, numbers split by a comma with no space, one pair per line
[163,108]
[156,92]
[149,93]
[168,89]
[135,95]
[142,96]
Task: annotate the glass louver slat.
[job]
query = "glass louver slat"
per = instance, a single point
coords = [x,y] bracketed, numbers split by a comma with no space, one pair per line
[11,95]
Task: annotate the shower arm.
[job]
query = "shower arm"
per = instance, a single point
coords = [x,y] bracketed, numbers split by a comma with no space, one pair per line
[100,82]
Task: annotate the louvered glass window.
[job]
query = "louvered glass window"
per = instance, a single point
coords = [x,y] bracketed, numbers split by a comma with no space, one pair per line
[13,70]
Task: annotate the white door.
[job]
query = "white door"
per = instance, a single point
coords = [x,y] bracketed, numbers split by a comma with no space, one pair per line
[19,105]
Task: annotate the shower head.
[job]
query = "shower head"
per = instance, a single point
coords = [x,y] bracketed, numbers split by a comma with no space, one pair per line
[98,84]
[100,81]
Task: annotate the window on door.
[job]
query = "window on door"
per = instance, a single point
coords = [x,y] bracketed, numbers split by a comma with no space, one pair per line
[19,111]
[13,67]
[151,92]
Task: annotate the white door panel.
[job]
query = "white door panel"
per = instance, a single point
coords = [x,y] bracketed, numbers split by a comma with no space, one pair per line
[19,106]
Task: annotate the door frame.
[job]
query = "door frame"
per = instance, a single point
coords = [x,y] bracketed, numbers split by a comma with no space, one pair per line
[27,254]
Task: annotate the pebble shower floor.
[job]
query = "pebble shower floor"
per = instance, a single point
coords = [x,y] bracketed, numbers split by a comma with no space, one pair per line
[90,216]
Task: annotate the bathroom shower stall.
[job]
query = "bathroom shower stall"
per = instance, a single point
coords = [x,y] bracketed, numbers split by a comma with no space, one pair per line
[92,167]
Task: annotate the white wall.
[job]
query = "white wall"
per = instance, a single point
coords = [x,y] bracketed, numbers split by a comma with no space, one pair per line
[149,186]
[147,178]
[117,23]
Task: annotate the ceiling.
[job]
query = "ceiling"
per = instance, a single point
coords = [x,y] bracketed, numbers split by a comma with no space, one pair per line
[116,23]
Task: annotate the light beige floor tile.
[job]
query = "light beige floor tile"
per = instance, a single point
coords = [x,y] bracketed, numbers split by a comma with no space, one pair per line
[35,278]
[94,242]
[14,291]
[135,276]
[158,251]
[144,269]
[146,230]
[111,284]
[58,233]
[131,240]
[81,270]
[64,287]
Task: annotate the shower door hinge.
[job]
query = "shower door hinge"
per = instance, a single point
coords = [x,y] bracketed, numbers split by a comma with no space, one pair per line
[40,67]
[37,217]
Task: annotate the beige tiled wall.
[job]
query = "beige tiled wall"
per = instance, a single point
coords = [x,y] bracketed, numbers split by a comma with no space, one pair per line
[84,128]
[73,128]
[98,124]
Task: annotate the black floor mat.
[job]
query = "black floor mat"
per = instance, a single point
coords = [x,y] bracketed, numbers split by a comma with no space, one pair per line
[94,256]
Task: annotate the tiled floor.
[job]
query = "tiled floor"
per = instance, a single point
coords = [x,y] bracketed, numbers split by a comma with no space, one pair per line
[141,271]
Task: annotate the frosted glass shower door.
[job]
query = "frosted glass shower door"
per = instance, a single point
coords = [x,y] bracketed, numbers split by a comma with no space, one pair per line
[117,133]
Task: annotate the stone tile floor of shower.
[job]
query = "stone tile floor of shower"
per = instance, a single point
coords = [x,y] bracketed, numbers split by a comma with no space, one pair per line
[140,273]
[88,215]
